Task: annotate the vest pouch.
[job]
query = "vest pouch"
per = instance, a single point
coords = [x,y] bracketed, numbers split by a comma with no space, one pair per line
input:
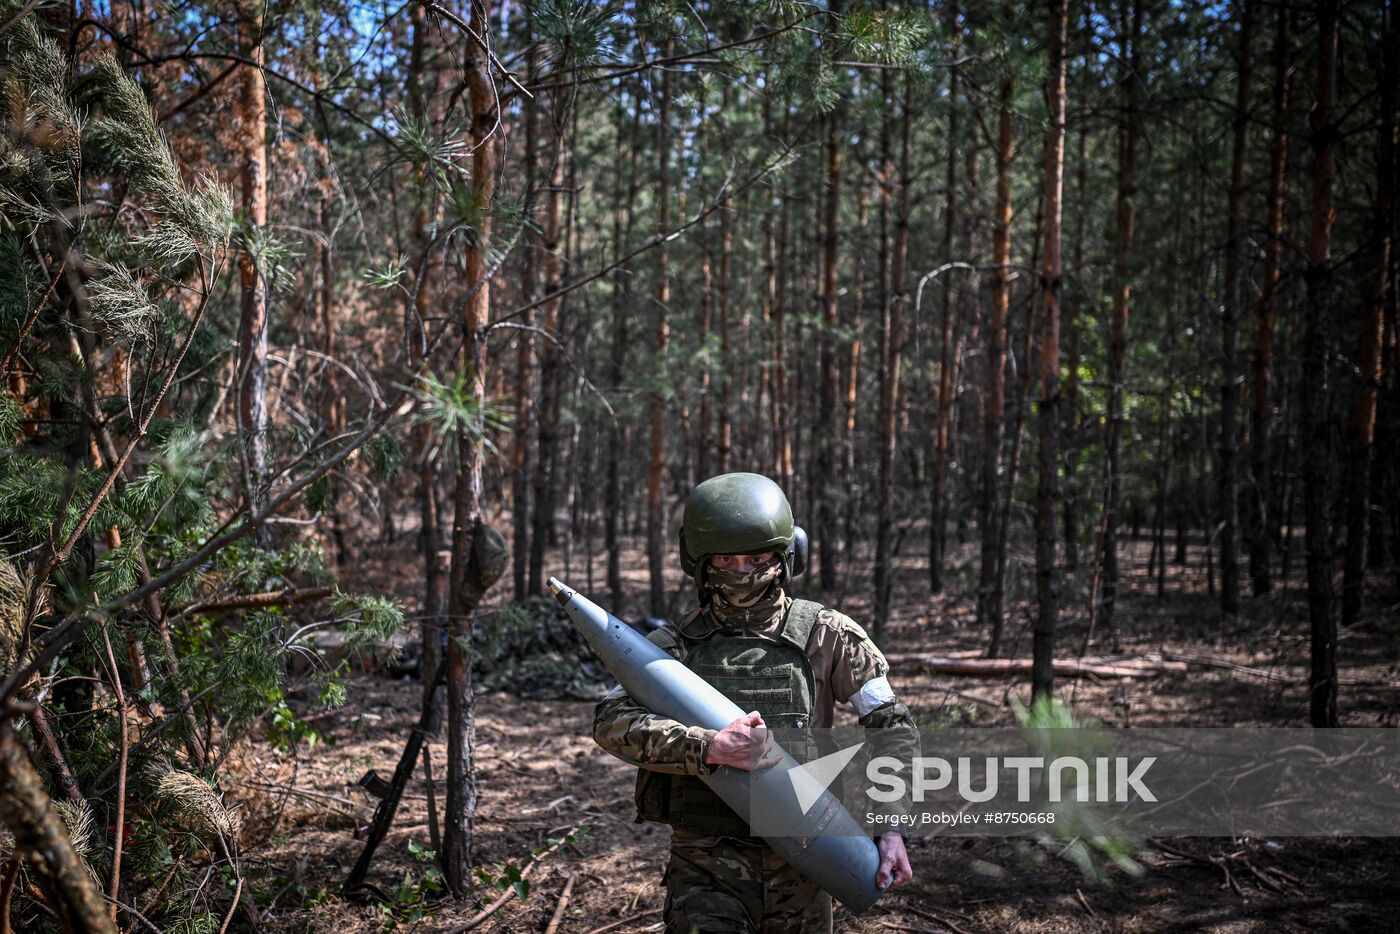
[652,796]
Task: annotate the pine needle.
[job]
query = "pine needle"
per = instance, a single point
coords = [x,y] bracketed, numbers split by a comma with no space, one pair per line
[82,827]
[198,804]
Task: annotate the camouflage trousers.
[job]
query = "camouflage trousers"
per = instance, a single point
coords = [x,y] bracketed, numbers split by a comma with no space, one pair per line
[723,885]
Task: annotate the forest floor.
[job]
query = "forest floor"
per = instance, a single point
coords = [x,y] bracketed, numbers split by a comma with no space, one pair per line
[541,776]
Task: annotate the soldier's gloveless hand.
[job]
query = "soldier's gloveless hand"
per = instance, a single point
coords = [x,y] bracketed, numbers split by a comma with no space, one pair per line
[894,868]
[734,745]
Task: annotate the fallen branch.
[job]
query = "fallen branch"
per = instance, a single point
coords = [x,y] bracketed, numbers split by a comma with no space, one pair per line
[559,909]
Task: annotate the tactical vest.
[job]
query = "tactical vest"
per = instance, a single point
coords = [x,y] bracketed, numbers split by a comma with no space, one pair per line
[756,673]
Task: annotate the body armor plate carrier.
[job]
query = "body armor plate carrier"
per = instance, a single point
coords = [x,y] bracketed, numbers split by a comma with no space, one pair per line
[774,678]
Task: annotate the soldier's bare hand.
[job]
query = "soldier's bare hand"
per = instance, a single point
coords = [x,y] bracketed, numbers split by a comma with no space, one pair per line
[734,745]
[894,868]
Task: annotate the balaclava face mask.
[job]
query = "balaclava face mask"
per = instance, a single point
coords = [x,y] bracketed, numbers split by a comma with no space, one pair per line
[751,599]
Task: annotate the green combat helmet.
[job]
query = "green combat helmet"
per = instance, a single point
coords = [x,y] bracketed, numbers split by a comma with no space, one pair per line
[740,514]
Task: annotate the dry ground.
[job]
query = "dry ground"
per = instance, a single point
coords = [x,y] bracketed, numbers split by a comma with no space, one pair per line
[541,774]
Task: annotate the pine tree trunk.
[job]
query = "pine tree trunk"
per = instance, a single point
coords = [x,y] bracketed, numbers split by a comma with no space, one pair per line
[1361,424]
[1072,329]
[468,575]
[943,408]
[546,483]
[705,437]
[825,440]
[855,324]
[252,326]
[1263,518]
[1229,329]
[624,220]
[989,615]
[891,347]
[656,517]
[783,404]
[1322,681]
[432,524]
[1122,298]
[725,419]
[521,454]
[1165,414]
[1047,575]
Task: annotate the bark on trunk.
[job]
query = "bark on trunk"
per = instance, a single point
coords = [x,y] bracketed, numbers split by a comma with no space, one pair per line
[468,573]
[1229,329]
[1070,437]
[436,557]
[1122,298]
[546,482]
[1047,575]
[1263,516]
[656,517]
[938,522]
[725,434]
[1322,680]
[891,352]
[521,455]
[252,325]
[989,614]
[624,219]
[825,440]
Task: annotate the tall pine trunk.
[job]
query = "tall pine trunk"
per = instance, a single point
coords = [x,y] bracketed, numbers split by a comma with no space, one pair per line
[891,341]
[1229,329]
[252,325]
[547,453]
[1122,299]
[624,218]
[1317,459]
[947,362]
[432,518]
[1263,521]
[824,443]
[522,433]
[1070,499]
[724,415]
[656,517]
[469,534]
[1047,575]
[989,611]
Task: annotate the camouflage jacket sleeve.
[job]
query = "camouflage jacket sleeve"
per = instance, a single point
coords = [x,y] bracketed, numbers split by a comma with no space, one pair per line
[860,676]
[636,735]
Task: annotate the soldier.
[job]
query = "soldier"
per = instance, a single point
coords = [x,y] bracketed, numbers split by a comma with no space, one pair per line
[739,543]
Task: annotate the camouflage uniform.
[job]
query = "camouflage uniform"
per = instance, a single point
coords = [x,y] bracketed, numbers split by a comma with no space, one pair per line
[722,883]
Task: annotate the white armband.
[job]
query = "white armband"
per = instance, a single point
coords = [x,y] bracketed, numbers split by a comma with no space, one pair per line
[872,694]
